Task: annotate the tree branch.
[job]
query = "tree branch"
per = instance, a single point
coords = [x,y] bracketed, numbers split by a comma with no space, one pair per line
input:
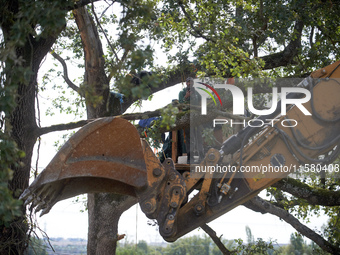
[103,31]
[78,124]
[331,39]
[62,127]
[266,207]
[314,195]
[286,56]
[274,60]
[195,32]
[65,76]
[166,80]
[216,239]
[182,120]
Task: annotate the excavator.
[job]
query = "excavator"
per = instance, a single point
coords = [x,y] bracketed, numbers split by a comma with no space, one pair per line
[108,155]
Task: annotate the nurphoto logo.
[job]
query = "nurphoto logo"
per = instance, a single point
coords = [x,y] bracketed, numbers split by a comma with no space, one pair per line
[239,98]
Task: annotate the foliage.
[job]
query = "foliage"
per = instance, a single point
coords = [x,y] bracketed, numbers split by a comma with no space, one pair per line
[169,117]
[25,25]
[167,121]
[298,246]
[231,38]
[9,155]
[63,139]
[204,245]
[187,245]
[255,248]
[128,29]
[303,210]
[140,248]
[208,136]
[190,245]
[36,247]
[332,228]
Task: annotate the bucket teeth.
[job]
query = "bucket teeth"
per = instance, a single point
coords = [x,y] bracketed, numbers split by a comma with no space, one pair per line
[36,202]
[40,206]
[28,200]
[40,199]
[27,193]
[45,211]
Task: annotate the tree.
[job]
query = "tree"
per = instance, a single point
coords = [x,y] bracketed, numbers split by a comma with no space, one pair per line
[239,38]
[254,39]
[143,245]
[105,209]
[29,29]
[299,246]
[26,39]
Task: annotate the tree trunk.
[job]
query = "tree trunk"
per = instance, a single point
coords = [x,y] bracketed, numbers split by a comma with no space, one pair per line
[21,72]
[104,209]
[13,239]
[104,213]
[23,130]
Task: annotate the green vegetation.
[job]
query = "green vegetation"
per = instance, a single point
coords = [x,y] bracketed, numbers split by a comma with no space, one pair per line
[216,38]
[204,246]
[197,245]
[36,247]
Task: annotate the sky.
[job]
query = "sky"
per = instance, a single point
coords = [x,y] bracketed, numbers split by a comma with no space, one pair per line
[66,220]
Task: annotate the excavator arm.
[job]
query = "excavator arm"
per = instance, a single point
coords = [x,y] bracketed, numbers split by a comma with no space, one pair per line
[108,155]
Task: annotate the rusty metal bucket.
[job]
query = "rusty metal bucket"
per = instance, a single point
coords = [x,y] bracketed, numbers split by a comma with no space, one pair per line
[106,155]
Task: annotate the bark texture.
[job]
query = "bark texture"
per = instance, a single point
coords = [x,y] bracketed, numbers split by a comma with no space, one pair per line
[104,213]
[22,121]
[104,209]
[314,195]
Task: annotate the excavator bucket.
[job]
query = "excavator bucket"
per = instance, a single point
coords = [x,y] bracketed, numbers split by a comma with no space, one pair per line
[104,156]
